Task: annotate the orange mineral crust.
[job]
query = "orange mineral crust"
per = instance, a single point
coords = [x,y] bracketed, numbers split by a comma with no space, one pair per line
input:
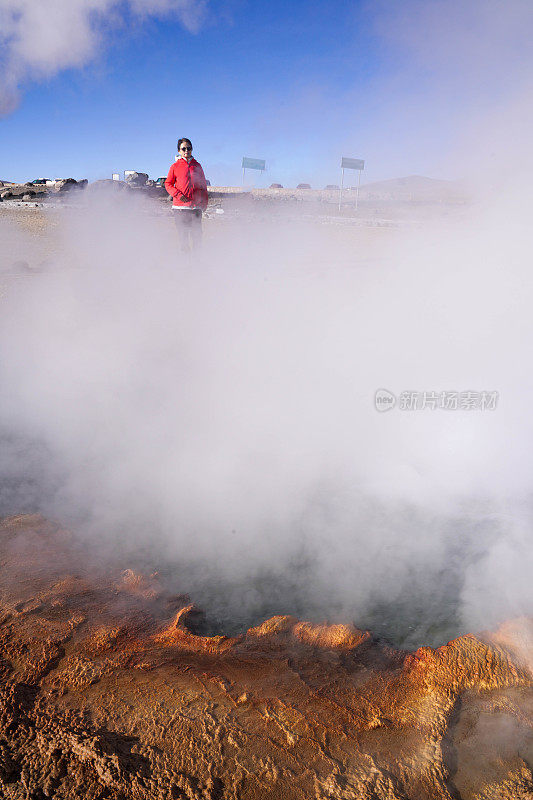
[108,689]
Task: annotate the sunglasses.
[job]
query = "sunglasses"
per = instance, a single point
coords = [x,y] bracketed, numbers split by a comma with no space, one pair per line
[185,148]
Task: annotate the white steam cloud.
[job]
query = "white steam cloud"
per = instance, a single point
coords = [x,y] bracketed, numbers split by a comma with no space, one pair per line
[220,412]
[39,38]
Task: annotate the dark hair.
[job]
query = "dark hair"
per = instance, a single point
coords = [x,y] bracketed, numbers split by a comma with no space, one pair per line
[180,142]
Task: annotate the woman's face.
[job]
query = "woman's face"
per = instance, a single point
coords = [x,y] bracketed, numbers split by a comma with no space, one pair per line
[185,150]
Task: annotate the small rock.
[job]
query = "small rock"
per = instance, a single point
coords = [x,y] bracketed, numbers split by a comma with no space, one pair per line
[107,186]
[65,185]
[137,179]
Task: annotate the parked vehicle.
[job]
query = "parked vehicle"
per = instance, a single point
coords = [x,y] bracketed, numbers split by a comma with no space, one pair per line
[161,182]
[276,186]
[331,186]
[304,186]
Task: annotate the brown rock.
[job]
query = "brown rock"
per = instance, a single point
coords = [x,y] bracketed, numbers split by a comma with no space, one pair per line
[65,185]
[107,186]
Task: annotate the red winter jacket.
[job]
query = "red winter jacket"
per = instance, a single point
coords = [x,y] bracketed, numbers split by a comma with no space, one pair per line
[187,185]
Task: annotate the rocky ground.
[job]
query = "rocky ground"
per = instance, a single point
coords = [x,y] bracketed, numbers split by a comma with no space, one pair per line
[109,688]
[41,219]
[393,202]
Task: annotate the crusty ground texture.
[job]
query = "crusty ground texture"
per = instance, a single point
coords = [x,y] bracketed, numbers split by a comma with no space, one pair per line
[107,691]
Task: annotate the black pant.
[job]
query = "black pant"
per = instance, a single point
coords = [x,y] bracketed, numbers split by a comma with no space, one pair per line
[188,222]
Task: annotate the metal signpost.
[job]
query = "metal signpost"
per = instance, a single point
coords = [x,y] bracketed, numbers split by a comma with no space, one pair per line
[351,163]
[252,163]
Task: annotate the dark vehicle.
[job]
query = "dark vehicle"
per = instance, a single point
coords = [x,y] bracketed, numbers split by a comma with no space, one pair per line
[304,186]
[276,186]
[331,186]
[38,182]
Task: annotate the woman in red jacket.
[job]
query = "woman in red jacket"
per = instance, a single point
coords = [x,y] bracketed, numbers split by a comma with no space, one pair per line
[188,187]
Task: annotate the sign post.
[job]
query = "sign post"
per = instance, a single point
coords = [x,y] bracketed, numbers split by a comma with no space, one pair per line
[252,163]
[340,190]
[351,163]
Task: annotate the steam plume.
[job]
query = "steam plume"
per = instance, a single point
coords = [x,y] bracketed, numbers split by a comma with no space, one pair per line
[224,410]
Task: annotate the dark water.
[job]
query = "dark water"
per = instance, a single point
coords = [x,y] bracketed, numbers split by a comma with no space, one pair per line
[423,606]
[415,618]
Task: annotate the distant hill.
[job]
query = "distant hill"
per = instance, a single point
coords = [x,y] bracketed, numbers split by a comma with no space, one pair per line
[414,187]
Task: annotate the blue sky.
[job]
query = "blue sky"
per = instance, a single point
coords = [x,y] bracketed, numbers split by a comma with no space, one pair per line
[299,84]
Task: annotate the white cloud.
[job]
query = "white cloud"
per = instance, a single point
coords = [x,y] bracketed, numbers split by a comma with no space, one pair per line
[39,38]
